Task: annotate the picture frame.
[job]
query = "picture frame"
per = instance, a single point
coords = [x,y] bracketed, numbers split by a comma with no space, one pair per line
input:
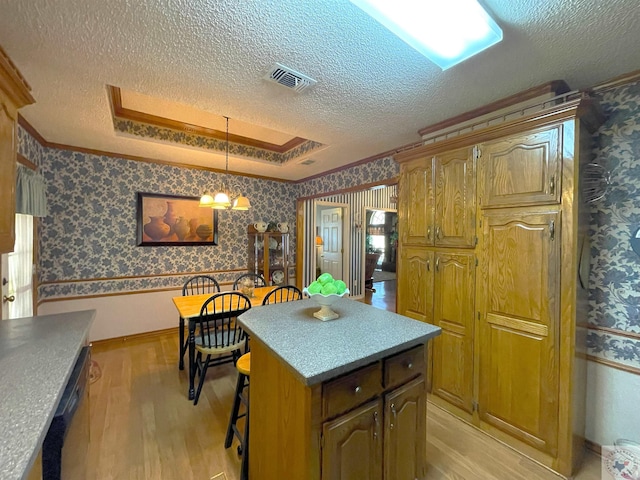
[172,220]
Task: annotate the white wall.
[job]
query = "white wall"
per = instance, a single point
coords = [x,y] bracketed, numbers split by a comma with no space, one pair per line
[613,404]
[123,315]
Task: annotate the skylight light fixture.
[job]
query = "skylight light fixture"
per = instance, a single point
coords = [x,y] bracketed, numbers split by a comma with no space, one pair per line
[447,32]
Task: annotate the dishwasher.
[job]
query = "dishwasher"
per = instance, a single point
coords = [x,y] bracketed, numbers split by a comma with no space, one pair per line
[65,446]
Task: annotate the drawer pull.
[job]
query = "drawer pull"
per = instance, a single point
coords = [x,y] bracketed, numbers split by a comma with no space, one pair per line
[358,389]
[410,366]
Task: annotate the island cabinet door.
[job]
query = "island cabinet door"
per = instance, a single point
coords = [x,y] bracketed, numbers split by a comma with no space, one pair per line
[405,432]
[352,445]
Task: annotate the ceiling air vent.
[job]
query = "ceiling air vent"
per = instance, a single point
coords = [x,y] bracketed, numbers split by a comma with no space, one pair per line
[289,78]
[308,161]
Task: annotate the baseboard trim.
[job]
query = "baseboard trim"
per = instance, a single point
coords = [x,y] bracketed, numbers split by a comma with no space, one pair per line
[118,341]
[593,446]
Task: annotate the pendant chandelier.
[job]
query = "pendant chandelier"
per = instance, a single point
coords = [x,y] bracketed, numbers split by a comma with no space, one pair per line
[221,199]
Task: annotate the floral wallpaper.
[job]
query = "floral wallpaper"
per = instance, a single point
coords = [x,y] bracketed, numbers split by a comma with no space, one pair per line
[90,232]
[144,130]
[615,270]
[88,240]
[363,174]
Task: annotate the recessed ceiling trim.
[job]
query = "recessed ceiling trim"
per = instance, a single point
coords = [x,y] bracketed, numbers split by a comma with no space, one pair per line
[120,112]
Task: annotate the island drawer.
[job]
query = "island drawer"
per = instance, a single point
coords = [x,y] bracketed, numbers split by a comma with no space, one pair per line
[404,366]
[351,390]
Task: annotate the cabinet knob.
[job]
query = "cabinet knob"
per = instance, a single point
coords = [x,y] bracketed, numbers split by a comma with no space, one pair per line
[357,389]
[410,365]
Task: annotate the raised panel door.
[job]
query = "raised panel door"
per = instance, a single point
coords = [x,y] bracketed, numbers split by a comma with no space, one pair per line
[416,190]
[522,169]
[455,198]
[405,432]
[352,445]
[519,307]
[415,284]
[452,374]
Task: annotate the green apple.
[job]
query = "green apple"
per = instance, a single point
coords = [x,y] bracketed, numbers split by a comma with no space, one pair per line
[315,287]
[325,278]
[340,286]
[328,289]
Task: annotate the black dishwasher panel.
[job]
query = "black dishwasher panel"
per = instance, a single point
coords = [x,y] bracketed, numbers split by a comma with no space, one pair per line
[54,456]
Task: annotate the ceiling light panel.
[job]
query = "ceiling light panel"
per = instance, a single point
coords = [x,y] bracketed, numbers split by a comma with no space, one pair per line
[447,32]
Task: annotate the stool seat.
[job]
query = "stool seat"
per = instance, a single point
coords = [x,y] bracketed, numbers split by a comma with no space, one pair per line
[244,364]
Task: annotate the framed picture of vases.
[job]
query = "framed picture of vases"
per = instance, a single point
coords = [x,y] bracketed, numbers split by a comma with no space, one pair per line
[171,220]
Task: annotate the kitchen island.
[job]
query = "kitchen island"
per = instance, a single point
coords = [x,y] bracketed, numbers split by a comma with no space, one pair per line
[37,356]
[336,400]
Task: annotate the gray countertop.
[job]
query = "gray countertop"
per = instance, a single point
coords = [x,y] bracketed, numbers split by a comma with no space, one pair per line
[37,355]
[316,351]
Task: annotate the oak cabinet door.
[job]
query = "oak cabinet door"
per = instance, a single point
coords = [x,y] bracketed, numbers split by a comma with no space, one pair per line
[415,284]
[416,191]
[405,432]
[7,175]
[353,445]
[519,305]
[455,198]
[522,170]
[454,292]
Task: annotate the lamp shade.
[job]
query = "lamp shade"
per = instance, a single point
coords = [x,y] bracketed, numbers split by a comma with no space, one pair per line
[241,203]
[319,241]
[206,200]
[220,201]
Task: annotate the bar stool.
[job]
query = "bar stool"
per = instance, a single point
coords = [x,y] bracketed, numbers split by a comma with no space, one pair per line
[243,365]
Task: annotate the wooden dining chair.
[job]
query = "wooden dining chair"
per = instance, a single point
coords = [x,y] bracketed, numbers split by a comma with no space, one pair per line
[196,285]
[258,280]
[286,293]
[221,338]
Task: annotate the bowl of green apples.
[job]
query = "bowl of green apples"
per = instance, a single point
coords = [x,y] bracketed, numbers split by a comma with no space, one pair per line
[325,291]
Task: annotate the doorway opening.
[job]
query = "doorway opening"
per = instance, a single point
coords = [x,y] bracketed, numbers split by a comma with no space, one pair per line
[380,250]
[331,240]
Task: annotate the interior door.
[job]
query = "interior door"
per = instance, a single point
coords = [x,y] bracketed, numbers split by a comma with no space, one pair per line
[331,232]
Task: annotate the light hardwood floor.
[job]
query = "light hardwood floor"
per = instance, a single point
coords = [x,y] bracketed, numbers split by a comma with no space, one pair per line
[143,426]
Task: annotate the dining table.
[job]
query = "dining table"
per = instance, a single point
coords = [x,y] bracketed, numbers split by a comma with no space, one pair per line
[189,307]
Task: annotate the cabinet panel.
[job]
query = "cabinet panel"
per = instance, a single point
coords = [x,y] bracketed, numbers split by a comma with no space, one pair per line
[405,432]
[415,284]
[7,175]
[416,190]
[523,169]
[353,445]
[452,376]
[518,375]
[455,199]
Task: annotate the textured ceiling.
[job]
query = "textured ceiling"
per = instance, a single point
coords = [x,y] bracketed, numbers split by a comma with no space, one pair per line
[373,93]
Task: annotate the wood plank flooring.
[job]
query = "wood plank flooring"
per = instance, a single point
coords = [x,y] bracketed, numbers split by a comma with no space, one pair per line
[143,426]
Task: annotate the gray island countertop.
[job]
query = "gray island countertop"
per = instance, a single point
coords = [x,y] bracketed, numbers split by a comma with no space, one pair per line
[316,351]
[37,355]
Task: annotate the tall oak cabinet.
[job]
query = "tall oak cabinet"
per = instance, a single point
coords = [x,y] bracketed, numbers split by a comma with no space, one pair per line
[14,94]
[492,228]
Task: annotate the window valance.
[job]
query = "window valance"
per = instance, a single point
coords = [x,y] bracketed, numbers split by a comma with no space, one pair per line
[31,190]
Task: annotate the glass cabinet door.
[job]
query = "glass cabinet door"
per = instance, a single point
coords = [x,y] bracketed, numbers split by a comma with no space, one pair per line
[269,256]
